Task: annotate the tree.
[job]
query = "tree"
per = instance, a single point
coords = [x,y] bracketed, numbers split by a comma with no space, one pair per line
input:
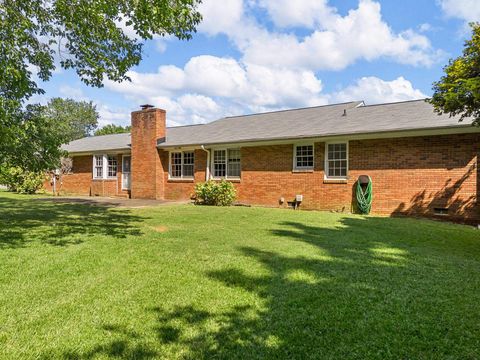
[458,91]
[77,118]
[112,129]
[37,146]
[89,36]
[22,181]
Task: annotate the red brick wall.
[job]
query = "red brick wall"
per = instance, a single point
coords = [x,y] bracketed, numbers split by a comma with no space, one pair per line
[183,189]
[410,175]
[147,171]
[81,182]
[416,175]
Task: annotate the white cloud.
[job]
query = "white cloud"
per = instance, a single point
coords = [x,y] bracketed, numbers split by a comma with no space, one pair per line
[338,41]
[278,68]
[334,42]
[220,17]
[425,27]
[206,79]
[302,13]
[189,109]
[71,92]
[215,76]
[374,90]
[468,10]
[117,116]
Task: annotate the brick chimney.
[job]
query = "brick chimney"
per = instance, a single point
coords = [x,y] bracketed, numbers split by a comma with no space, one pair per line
[147,175]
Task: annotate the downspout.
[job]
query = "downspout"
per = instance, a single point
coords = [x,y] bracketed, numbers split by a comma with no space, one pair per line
[207,169]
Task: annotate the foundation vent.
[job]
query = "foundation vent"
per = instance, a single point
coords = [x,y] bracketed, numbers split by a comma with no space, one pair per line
[440,211]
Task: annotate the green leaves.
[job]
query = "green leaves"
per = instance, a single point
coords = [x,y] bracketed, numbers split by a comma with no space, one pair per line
[112,129]
[458,91]
[77,119]
[84,35]
[218,193]
[22,181]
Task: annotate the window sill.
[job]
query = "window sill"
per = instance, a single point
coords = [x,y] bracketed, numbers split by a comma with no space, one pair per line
[302,171]
[189,180]
[229,180]
[105,179]
[335,181]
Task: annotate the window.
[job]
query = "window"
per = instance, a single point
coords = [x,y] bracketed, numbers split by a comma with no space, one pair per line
[188,164]
[98,166]
[303,157]
[105,166]
[182,165]
[219,163]
[176,165]
[336,160]
[233,163]
[227,163]
[112,166]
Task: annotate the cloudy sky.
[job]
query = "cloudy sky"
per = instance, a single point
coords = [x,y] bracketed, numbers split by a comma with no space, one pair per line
[259,55]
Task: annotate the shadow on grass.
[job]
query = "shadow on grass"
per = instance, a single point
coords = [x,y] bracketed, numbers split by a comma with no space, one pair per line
[369,289]
[24,220]
[121,348]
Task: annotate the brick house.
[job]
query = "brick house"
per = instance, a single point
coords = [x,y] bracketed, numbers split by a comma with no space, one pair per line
[420,163]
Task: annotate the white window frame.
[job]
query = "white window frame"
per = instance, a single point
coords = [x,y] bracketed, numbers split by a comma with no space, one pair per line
[104,167]
[181,177]
[94,168]
[212,164]
[303,168]
[326,161]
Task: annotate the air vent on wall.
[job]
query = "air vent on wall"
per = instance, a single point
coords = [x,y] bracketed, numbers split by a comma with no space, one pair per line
[440,211]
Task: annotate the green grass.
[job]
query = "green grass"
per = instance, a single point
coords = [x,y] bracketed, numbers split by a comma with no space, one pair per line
[84,282]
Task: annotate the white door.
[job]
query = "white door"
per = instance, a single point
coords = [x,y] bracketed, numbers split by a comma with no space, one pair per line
[126,168]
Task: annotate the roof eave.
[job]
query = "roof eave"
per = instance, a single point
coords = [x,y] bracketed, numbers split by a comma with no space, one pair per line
[100,151]
[445,130]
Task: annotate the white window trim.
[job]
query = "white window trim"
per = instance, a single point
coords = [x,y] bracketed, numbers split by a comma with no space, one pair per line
[170,177]
[303,168]
[326,177]
[212,167]
[104,167]
[94,167]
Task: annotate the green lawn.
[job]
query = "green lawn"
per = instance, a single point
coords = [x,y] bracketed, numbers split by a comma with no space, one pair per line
[79,281]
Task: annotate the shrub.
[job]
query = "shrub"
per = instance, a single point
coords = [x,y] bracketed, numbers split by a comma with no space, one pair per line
[22,181]
[215,193]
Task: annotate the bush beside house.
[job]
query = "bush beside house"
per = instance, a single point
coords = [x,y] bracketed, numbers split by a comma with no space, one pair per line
[22,181]
[218,193]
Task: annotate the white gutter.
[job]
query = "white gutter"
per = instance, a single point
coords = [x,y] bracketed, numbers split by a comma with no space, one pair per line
[207,169]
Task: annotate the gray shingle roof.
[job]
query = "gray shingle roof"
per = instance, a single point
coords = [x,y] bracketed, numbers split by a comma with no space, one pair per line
[311,122]
[99,143]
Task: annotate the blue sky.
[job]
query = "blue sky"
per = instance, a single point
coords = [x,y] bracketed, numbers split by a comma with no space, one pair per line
[261,55]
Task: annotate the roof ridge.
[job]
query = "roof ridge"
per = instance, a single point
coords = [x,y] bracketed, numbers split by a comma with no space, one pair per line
[285,110]
[181,126]
[393,102]
[97,136]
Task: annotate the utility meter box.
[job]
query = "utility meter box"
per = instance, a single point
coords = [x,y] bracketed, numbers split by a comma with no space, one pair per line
[298,198]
